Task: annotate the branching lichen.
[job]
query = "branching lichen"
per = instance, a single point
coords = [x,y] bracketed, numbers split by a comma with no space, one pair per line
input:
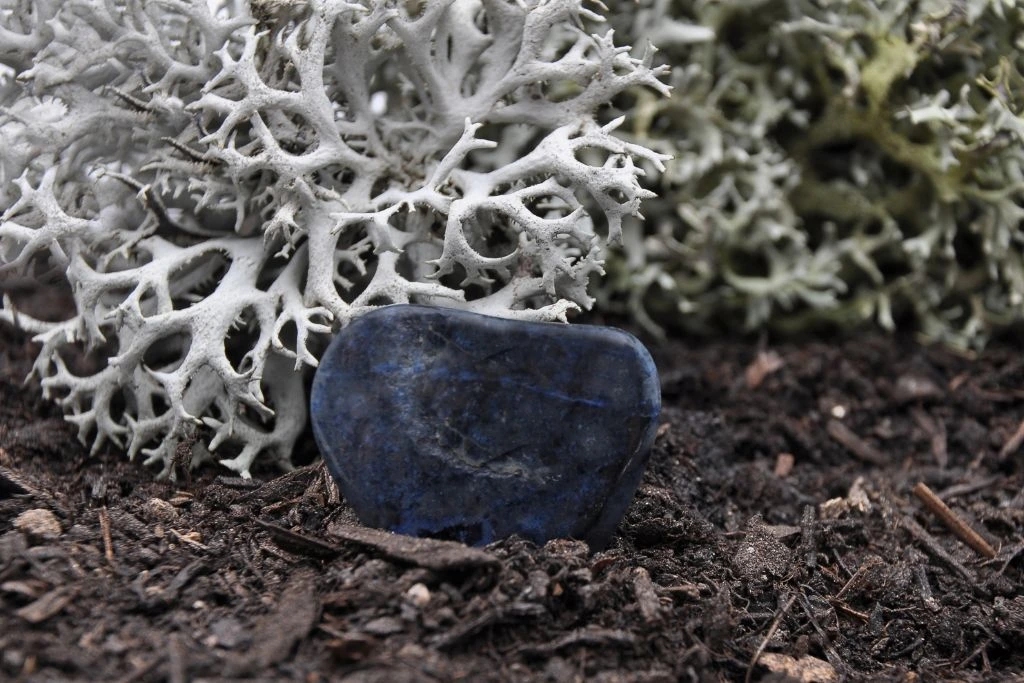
[835,162]
[225,185]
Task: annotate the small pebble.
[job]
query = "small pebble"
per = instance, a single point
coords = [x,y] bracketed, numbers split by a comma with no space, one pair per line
[38,524]
[419,595]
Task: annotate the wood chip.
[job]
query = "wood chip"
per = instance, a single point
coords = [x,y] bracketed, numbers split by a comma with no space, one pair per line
[13,484]
[31,589]
[285,487]
[47,606]
[590,636]
[275,635]
[192,538]
[763,365]
[300,544]
[842,435]
[806,669]
[784,464]
[423,552]
[646,596]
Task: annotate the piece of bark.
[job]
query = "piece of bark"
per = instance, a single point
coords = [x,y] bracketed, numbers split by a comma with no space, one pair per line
[47,606]
[854,444]
[275,635]
[423,552]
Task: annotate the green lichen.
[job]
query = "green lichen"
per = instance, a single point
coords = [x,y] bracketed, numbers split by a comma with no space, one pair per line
[835,162]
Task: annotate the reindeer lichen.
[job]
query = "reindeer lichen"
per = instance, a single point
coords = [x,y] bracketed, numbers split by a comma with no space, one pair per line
[834,163]
[225,184]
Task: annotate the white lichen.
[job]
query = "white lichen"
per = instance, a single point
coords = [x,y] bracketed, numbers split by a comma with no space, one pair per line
[834,164]
[225,185]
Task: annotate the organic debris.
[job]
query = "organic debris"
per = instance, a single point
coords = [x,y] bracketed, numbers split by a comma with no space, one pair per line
[724,567]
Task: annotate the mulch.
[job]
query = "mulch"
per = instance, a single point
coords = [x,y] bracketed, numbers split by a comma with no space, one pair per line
[782,530]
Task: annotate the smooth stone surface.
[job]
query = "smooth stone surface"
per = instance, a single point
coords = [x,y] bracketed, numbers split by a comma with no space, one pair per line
[443,423]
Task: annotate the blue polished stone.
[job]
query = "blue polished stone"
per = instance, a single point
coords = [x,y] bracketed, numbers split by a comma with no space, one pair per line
[437,422]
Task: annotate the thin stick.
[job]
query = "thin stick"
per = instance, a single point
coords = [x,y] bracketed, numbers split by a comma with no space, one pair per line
[929,542]
[846,609]
[768,636]
[858,578]
[830,652]
[953,521]
[1015,441]
[854,444]
[957,490]
[108,544]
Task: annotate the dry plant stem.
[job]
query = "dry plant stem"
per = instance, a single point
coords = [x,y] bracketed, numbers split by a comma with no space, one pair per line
[936,433]
[768,636]
[108,544]
[970,487]
[932,545]
[858,578]
[955,524]
[826,643]
[1014,442]
[849,611]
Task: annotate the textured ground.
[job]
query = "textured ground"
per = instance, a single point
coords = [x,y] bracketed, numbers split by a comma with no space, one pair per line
[776,531]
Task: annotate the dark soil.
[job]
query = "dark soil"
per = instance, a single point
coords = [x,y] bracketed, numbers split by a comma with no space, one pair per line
[726,567]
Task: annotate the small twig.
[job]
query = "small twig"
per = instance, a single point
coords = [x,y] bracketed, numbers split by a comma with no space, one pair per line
[280,505]
[177,664]
[927,598]
[237,482]
[300,543]
[1011,554]
[1014,442]
[981,648]
[108,544]
[768,636]
[186,538]
[849,611]
[953,521]
[853,443]
[830,652]
[957,490]
[936,431]
[932,545]
[858,577]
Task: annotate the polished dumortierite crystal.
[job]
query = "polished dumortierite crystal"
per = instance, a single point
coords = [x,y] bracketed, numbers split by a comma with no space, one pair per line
[438,422]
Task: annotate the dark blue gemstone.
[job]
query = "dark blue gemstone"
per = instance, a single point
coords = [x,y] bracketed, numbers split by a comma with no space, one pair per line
[437,422]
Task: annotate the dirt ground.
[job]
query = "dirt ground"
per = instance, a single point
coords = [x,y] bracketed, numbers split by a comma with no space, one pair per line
[777,533]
